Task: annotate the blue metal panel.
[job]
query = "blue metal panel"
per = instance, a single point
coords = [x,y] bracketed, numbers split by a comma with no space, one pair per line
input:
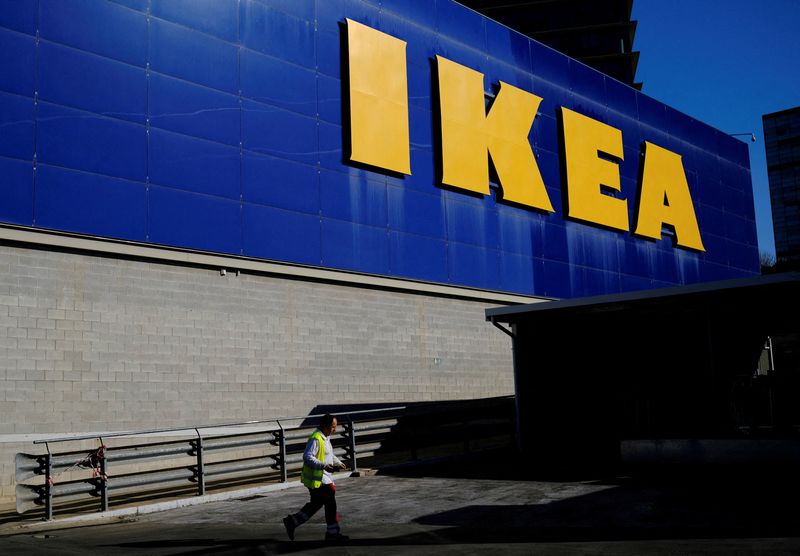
[664,263]
[275,33]
[465,55]
[586,82]
[16,123]
[280,183]
[215,17]
[244,105]
[83,80]
[331,150]
[296,141]
[353,246]
[516,273]
[329,61]
[473,266]
[192,220]
[519,234]
[509,46]
[19,15]
[459,23]
[193,56]
[423,172]
[546,136]
[17,67]
[652,114]
[195,110]
[16,191]
[598,248]
[352,197]
[365,11]
[296,90]
[417,11]
[588,107]
[621,98]
[100,27]
[598,282]
[191,164]
[139,5]
[329,99]
[85,141]
[549,65]
[420,86]
[740,255]
[282,235]
[420,41]
[419,213]
[329,14]
[418,257]
[304,9]
[90,204]
[469,222]
[420,128]
[554,243]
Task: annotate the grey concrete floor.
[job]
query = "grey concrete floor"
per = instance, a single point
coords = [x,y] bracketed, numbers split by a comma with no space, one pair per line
[446,511]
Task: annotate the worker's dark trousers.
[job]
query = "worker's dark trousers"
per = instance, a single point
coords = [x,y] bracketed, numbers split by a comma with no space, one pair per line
[325,495]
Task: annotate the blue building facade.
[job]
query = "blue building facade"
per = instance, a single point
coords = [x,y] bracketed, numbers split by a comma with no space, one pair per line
[218,126]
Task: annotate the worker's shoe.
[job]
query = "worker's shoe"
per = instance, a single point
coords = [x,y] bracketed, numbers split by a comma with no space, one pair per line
[288,522]
[336,537]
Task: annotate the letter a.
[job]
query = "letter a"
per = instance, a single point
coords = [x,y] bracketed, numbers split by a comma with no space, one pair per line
[665,199]
[469,136]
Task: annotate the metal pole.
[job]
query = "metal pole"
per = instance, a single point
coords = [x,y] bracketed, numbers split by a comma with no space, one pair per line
[351,431]
[770,381]
[103,481]
[48,485]
[771,358]
[201,476]
[282,453]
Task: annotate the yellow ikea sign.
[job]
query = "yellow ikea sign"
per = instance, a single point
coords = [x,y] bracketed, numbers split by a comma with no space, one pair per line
[469,136]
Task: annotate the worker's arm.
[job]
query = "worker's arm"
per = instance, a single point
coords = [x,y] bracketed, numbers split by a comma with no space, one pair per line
[310,455]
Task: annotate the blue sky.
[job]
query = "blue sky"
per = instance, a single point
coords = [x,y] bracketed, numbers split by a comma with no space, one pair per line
[725,62]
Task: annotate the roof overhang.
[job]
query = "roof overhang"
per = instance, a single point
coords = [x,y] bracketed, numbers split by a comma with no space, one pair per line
[771,298]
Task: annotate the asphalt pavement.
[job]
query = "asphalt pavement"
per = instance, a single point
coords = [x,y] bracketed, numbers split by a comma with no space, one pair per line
[467,509]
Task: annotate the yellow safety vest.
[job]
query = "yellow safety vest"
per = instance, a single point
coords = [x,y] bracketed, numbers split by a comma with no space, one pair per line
[311,477]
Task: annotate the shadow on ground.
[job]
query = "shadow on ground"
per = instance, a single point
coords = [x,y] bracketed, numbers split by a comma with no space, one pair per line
[670,502]
[640,505]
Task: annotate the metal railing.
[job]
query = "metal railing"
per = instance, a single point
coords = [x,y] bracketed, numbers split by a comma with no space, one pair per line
[269,450]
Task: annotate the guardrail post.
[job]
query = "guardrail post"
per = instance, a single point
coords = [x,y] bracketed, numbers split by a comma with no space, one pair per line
[351,433]
[48,485]
[282,453]
[103,478]
[201,475]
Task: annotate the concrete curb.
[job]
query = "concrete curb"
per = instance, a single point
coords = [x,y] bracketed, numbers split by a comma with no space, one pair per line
[130,514]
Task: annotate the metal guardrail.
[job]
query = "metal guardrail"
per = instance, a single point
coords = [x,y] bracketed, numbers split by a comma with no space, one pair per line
[284,446]
[270,450]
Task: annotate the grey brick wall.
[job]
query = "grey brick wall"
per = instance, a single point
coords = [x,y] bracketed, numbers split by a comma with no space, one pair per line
[93,343]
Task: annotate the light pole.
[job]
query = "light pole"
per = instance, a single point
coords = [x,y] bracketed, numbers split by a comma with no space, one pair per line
[751,135]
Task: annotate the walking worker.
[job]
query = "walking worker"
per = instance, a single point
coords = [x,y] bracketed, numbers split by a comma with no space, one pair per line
[318,463]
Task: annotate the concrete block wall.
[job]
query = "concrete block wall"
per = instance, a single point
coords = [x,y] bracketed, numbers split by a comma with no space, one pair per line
[97,343]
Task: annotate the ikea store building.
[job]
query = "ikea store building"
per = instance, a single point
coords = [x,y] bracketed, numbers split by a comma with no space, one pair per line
[241,209]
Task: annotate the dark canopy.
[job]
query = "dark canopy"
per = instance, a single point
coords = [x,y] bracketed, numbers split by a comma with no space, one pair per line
[668,363]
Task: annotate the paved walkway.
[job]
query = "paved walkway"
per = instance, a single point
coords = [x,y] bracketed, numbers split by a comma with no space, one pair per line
[435,511]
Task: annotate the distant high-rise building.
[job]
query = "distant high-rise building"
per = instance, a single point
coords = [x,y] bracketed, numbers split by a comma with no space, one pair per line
[598,33]
[782,141]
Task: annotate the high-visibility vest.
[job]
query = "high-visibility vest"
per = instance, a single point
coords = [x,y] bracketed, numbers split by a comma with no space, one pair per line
[311,477]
